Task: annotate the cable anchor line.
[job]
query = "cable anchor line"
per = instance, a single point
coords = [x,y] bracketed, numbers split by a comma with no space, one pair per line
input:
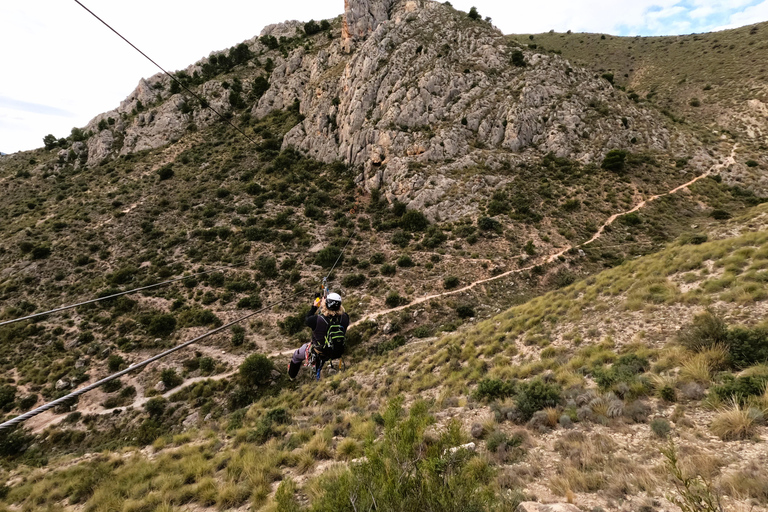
[34,412]
[100,299]
[202,101]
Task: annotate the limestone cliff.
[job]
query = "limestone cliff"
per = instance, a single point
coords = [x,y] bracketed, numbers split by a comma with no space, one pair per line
[412,93]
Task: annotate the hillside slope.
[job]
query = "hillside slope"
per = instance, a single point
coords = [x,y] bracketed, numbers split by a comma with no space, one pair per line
[468,175]
[715,82]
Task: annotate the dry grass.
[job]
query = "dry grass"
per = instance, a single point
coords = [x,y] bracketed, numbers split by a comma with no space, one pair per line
[734,421]
[701,366]
[748,483]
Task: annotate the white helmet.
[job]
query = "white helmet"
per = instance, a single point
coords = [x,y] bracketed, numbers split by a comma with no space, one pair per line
[333,301]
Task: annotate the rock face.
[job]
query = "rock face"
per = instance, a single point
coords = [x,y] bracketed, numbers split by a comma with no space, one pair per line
[361,18]
[414,94]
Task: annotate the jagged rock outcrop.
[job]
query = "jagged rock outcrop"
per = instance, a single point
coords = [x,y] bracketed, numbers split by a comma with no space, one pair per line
[361,18]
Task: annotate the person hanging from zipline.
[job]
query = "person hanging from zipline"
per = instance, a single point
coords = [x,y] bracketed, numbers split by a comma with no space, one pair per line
[328,331]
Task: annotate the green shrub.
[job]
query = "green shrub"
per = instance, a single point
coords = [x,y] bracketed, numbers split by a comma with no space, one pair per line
[705,331]
[494,389]
[394,300]
[170,378]
[199,318]
[450,282]
[378,258]
[267,266]
[518,59]
[748,347]
[405,261]
[422,331]
[751,163]
[41,252]
[660,427]
[615,160]
[155,406]
[624,370]
[238,335]
[608,76]
[488,224]
[694,238]
[388,270]
[293,324]
[161,325]
[250,302]
[28,402]
[473,14]
[328,256]
[112,386]
[311,28]
[414,220]
[207,365]
[389,345]
[7,397]
[115,363]
[353,280]
[740,388]
[401,238]
[720,215]
[405,470]
[536,395]
[631,219]
[465,311]
[165,172]
[256,369]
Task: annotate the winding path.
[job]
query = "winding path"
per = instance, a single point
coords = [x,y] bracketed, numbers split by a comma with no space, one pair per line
[48,418]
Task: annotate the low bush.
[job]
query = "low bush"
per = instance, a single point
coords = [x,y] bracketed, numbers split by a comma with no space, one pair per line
[747,346]
[407,470]
[615,161]
[388,270]
[706,331]
[170,378]
[740,388]
[536,395]
[238,335]
[394,300]
[353,280]
[328,256]
[450,282]
[405,261]
[465,311]
[256,369]
[414,220]
[660,427]
[389,345]
[494,389]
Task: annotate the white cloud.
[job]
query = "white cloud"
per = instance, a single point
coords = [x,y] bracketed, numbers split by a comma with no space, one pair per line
[753,14]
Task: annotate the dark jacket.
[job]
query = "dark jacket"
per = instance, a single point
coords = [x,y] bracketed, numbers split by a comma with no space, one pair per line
[319,325]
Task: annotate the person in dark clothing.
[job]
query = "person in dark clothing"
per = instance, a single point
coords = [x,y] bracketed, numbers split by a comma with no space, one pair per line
[328,331]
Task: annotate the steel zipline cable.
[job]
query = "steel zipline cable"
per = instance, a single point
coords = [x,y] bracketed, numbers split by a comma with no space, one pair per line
[22,418]
[100,299]
[202,101]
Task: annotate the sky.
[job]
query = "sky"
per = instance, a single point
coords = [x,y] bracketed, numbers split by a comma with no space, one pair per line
[60,67]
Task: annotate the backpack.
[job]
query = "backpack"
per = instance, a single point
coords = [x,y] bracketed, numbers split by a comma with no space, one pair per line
[333,344]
